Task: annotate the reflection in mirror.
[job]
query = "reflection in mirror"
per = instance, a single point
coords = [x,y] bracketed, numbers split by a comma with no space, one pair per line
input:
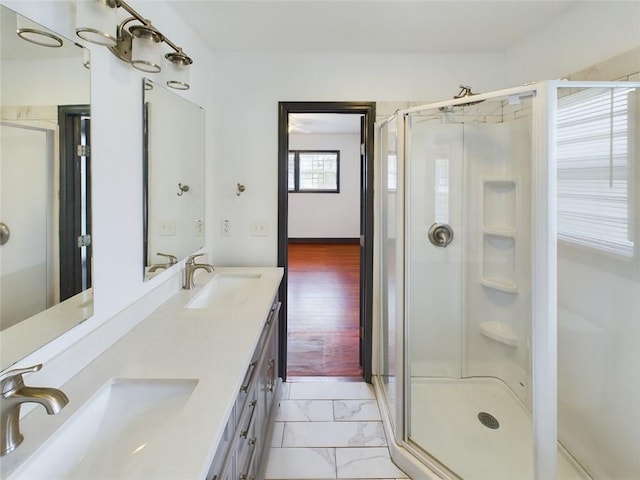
[173,178]
[45,256]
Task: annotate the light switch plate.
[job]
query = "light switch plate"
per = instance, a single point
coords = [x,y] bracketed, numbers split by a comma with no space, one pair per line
[259,228]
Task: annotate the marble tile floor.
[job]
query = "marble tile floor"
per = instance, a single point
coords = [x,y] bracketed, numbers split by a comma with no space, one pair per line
[329,430]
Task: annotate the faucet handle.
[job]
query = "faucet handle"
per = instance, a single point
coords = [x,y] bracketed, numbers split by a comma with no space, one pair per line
[172,258]
[192,258]
[13,378]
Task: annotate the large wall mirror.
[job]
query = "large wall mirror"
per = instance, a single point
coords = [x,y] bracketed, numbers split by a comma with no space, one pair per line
[45,210]
[173,158]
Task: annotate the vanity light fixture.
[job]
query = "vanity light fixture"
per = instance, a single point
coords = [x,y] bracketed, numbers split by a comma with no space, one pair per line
[34,33]
[138,44]
[178,70]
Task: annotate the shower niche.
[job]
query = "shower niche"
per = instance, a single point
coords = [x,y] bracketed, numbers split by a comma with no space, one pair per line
[499,233]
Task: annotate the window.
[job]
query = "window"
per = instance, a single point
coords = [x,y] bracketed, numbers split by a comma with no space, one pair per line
[595,169]
[315,171]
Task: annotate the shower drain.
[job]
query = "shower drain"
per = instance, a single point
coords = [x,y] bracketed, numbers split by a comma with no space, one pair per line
[488,420]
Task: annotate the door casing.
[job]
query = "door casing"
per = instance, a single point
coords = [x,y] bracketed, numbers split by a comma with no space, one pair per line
[368,110]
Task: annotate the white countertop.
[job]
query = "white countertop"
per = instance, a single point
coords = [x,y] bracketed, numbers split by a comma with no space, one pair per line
[213,346]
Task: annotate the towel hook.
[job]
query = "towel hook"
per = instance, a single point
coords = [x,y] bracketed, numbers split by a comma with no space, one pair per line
[183,188]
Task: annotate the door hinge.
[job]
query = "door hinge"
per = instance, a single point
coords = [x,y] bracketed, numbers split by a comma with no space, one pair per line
[84,241]
[83,150]
[362,149]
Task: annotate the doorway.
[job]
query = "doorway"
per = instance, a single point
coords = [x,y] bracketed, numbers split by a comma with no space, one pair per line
[74,122]
[365,111]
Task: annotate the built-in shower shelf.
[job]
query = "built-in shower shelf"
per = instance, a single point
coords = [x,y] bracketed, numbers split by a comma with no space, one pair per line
[499,203]
[500,232]
[498,284]
[499,226]
[499,332]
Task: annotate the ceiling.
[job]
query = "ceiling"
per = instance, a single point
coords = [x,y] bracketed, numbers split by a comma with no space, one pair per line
[365,26]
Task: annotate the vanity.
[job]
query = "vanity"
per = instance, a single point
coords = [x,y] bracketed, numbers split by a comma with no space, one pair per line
[191,392]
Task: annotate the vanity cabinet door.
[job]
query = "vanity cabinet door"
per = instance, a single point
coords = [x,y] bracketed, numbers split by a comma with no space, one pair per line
[223,465]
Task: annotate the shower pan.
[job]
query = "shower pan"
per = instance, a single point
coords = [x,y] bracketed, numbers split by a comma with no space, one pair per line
[493,214]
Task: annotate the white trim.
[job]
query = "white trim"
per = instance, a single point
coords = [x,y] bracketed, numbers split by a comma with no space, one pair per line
[402,341]
[544,293]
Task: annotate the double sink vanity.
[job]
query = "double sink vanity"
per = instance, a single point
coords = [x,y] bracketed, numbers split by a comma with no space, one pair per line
[188,393]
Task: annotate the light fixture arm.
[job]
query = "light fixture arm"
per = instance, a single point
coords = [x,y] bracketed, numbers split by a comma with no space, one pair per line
[136,16]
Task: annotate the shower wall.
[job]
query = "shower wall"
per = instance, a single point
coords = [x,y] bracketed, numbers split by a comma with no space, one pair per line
[435,182]
[497,326]
[469,304]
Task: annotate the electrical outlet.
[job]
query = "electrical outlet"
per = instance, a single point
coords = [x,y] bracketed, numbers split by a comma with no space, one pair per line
[259,228]
[199,227]
[225,228]
[167,228]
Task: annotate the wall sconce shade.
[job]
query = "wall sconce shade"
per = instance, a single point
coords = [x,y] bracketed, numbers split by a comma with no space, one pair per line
[145,49]
[178,70]
[96,21]
[34,33]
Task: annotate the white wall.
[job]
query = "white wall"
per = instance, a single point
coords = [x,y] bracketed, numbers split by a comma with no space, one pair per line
[328,215]
[116,94]
[248,89]
[586,34]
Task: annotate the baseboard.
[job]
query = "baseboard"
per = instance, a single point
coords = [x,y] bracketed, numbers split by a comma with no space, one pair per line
[325,240]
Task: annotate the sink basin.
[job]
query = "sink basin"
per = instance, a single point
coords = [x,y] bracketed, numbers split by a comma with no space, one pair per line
[108,437]
[225,290]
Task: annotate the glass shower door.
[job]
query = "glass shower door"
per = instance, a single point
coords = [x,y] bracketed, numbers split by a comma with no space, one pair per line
[391,265]
[468,287]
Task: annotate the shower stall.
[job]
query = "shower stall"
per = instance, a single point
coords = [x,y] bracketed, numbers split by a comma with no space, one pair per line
[509,279]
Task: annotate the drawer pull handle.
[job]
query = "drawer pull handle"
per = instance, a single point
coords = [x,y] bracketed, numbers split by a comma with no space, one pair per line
[245,432]
[252,370]
[271,370]
[275,309]
[247,476]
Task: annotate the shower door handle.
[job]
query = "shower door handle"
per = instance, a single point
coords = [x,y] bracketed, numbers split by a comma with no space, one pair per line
[440,234]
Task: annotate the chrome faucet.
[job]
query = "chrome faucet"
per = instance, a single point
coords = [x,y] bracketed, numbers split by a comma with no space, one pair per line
[14,394]
[190,266]
[172,260]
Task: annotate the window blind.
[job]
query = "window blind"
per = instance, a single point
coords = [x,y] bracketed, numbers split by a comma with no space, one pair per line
[595,170]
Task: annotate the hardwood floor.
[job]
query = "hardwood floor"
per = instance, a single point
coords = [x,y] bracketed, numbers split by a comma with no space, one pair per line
[323,310]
